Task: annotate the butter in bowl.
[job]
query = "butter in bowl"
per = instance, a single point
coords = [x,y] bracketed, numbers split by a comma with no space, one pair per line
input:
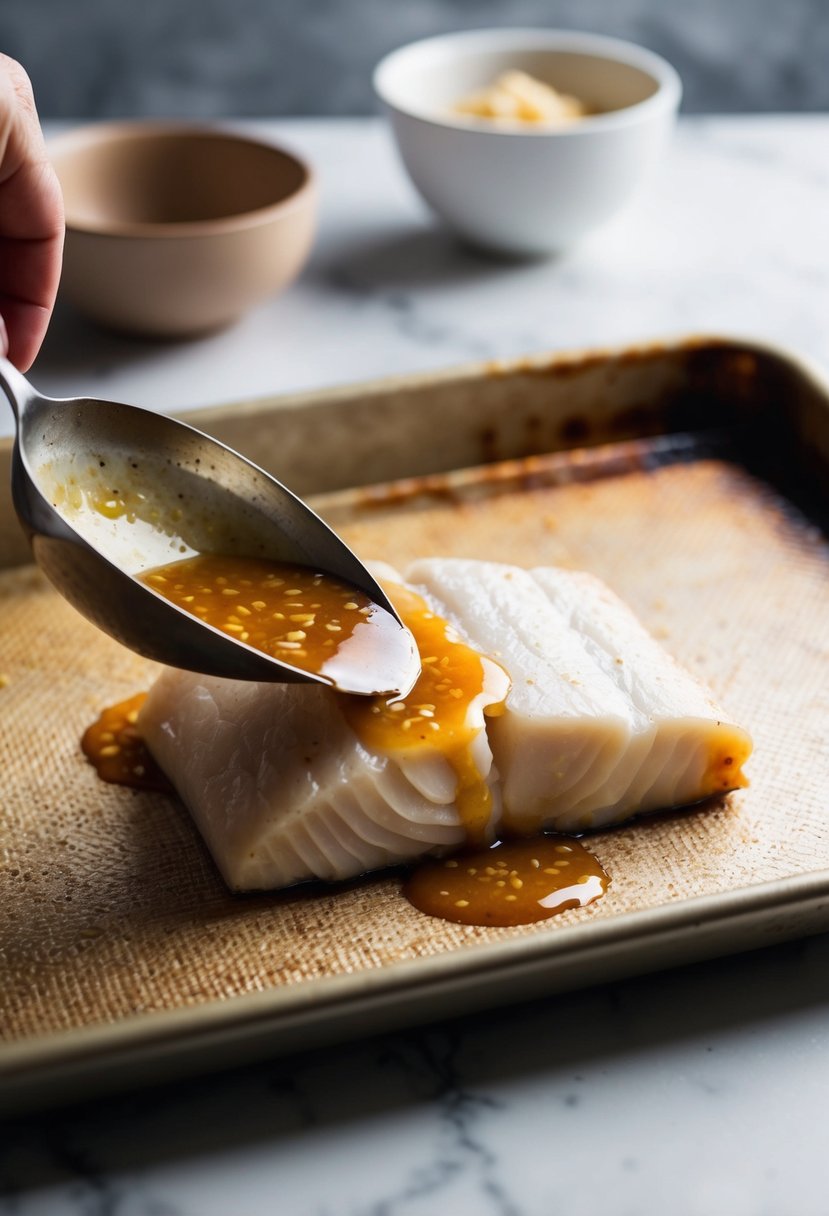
[174,230]
[525,140]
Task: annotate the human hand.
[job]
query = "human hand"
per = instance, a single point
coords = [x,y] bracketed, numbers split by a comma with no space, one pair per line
[31,221]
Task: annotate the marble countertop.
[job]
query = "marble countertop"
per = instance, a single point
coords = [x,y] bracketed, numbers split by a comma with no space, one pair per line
[731,236]
[698,1091]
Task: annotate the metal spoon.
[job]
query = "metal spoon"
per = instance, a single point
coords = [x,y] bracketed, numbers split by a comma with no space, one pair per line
[187,493]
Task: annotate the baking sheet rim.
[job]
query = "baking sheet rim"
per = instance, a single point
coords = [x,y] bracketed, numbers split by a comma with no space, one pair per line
[804,365]
[626,933]
[202,416]
[330,998]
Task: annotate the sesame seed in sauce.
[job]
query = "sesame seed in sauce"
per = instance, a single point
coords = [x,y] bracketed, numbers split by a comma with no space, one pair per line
[283,603]
[522,894]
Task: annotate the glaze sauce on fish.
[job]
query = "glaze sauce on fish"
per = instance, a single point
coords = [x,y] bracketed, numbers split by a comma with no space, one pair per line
[296,614]
[517,882]
[435,716]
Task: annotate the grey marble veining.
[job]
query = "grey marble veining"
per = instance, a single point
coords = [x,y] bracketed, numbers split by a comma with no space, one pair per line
[97,58]
[729,236]
[698,1092]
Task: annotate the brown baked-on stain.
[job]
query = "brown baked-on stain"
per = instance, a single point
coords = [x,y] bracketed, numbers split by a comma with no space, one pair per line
[488,440]
[636,420]
[565,366]
[575,430]
[719,382]
[405,490]
[516,882]
[540,471]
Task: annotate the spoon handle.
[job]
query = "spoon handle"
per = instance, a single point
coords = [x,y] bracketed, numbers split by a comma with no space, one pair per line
[16,387]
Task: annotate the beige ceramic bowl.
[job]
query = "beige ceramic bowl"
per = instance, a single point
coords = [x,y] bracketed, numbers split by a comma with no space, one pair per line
[177,230]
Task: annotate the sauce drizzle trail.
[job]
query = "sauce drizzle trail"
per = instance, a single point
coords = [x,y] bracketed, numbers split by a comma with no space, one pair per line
[438,716]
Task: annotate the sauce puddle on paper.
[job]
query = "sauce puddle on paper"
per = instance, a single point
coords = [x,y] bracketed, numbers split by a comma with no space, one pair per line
[117,752]
[515,882]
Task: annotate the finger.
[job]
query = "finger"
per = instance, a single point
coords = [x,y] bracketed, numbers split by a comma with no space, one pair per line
[31,203]
[25,325]
[29,277]
[31,218]
[4,338]
[29,270]
[19,123]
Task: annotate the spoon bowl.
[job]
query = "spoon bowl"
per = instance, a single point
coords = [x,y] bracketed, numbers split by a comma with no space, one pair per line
[107,491]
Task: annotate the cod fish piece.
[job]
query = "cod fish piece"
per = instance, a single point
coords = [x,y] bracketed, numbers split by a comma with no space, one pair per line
[292,782]
[600,723]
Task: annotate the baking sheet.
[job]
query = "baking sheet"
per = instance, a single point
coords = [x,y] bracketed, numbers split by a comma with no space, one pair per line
[121,950]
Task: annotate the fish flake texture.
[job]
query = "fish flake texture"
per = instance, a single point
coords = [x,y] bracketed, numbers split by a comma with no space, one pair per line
[110,905]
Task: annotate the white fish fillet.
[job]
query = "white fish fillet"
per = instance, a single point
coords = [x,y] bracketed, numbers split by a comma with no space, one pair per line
[282,789]
[600,724]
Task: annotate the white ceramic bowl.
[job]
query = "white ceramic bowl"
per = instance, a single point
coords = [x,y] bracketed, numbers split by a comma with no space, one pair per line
[528,190]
